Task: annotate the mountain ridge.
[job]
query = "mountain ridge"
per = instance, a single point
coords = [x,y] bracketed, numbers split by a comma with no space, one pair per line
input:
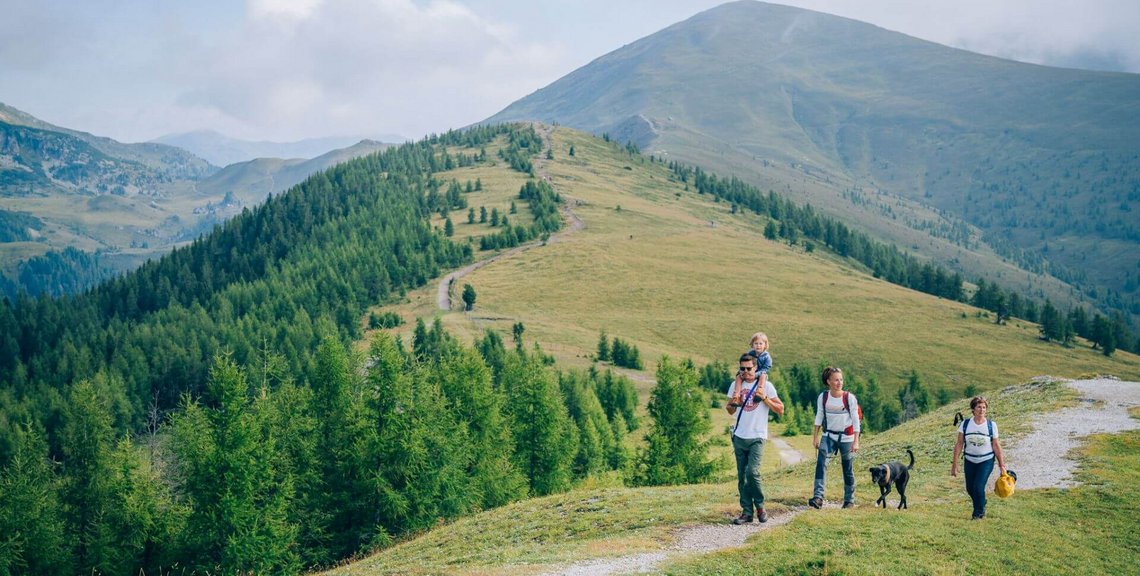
[825,107]
[222,150]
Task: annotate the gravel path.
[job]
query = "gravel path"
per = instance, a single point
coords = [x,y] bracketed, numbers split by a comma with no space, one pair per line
[788,456]
[695,539]
[1040,460]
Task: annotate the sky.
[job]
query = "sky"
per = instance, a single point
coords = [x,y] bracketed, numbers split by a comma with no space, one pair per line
[285,70]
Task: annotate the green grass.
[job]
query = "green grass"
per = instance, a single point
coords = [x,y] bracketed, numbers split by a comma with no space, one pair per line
[675,273]
[1084,530]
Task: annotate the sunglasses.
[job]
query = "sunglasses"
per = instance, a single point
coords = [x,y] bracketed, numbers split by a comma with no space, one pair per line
[747,368]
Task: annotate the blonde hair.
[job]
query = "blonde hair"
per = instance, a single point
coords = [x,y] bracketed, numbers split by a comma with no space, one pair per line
[759,336]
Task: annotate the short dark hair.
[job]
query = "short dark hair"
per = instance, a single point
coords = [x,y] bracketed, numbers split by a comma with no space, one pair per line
[746,357]
[978,400]
[827,372]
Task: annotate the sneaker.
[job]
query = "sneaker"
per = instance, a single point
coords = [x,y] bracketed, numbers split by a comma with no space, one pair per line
[742,519]
[816,502]
[848,504]
[761,515]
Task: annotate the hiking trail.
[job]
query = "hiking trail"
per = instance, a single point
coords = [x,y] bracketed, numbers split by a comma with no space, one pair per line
[1040,459]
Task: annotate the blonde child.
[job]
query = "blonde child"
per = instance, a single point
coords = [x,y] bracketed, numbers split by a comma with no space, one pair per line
[758,350]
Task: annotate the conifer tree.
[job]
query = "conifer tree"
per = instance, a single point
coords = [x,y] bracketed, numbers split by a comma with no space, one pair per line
[86,441]
[618,397]
[546,440]
[676,448]
[33,539]
[468,297]
[494,479]
[603,347]
[228,470]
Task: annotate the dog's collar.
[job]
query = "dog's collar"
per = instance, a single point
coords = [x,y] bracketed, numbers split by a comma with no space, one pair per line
[886,474]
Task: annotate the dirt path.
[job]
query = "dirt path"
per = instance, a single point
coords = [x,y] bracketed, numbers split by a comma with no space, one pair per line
[788,456]
[1040,460]
[443,293]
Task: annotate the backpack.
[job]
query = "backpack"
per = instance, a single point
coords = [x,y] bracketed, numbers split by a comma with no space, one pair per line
[846,406]
[989,426]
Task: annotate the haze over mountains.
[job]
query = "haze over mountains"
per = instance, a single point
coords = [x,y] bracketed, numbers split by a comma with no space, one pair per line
[221,150]
[64,189]
[962,157]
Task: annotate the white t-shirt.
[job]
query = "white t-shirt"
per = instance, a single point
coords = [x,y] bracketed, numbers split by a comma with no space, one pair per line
[838,417]
[754,414]
[978,447]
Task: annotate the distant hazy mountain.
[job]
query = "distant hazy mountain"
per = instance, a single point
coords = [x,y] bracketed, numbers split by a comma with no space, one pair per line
[36,155]
[252,180]
[63,189]
[1041,165]
[222,150]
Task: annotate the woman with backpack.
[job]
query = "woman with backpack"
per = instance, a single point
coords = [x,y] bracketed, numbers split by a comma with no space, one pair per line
[837,417]
[978,441]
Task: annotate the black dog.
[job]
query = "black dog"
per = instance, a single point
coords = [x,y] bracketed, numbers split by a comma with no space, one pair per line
[885,474]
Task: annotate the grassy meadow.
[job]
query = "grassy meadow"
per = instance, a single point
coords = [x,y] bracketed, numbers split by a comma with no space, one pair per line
[677,274]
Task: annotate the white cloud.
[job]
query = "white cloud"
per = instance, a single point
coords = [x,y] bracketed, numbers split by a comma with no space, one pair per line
[366,66]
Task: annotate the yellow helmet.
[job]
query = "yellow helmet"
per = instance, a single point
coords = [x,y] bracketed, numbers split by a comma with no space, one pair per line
[1004,485]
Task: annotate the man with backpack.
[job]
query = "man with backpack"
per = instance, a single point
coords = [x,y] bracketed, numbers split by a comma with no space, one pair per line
[837,426]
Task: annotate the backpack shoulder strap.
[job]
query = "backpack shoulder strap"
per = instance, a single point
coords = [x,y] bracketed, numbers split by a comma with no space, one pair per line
[990,423]
[846,404]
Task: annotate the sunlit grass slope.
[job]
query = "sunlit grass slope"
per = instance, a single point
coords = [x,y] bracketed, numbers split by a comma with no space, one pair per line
[1084,530]
[675,273]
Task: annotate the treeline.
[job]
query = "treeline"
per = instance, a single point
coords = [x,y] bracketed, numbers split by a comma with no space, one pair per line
[793,223]
[1106,333]
[309,260]
[619,352]
[522,144]
[796,223]
[56,274]
[543,202]
[267,471]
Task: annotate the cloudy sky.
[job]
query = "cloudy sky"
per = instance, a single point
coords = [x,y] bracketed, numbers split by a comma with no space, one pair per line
[285,70]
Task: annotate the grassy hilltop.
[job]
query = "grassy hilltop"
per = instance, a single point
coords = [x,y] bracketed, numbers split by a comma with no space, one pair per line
[676,273]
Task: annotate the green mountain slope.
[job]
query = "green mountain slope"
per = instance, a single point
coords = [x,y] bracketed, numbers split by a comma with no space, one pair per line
[310,454]
[975,161]
[61,189]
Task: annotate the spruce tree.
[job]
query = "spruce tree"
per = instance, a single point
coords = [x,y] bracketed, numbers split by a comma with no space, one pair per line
[603,347]
[546,440]
[33,539]
[229,471]
[676,451]
[468,297]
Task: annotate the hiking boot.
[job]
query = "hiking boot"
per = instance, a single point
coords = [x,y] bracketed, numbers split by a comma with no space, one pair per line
[816,502]
[848,504]
[742,519]
[761,515]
